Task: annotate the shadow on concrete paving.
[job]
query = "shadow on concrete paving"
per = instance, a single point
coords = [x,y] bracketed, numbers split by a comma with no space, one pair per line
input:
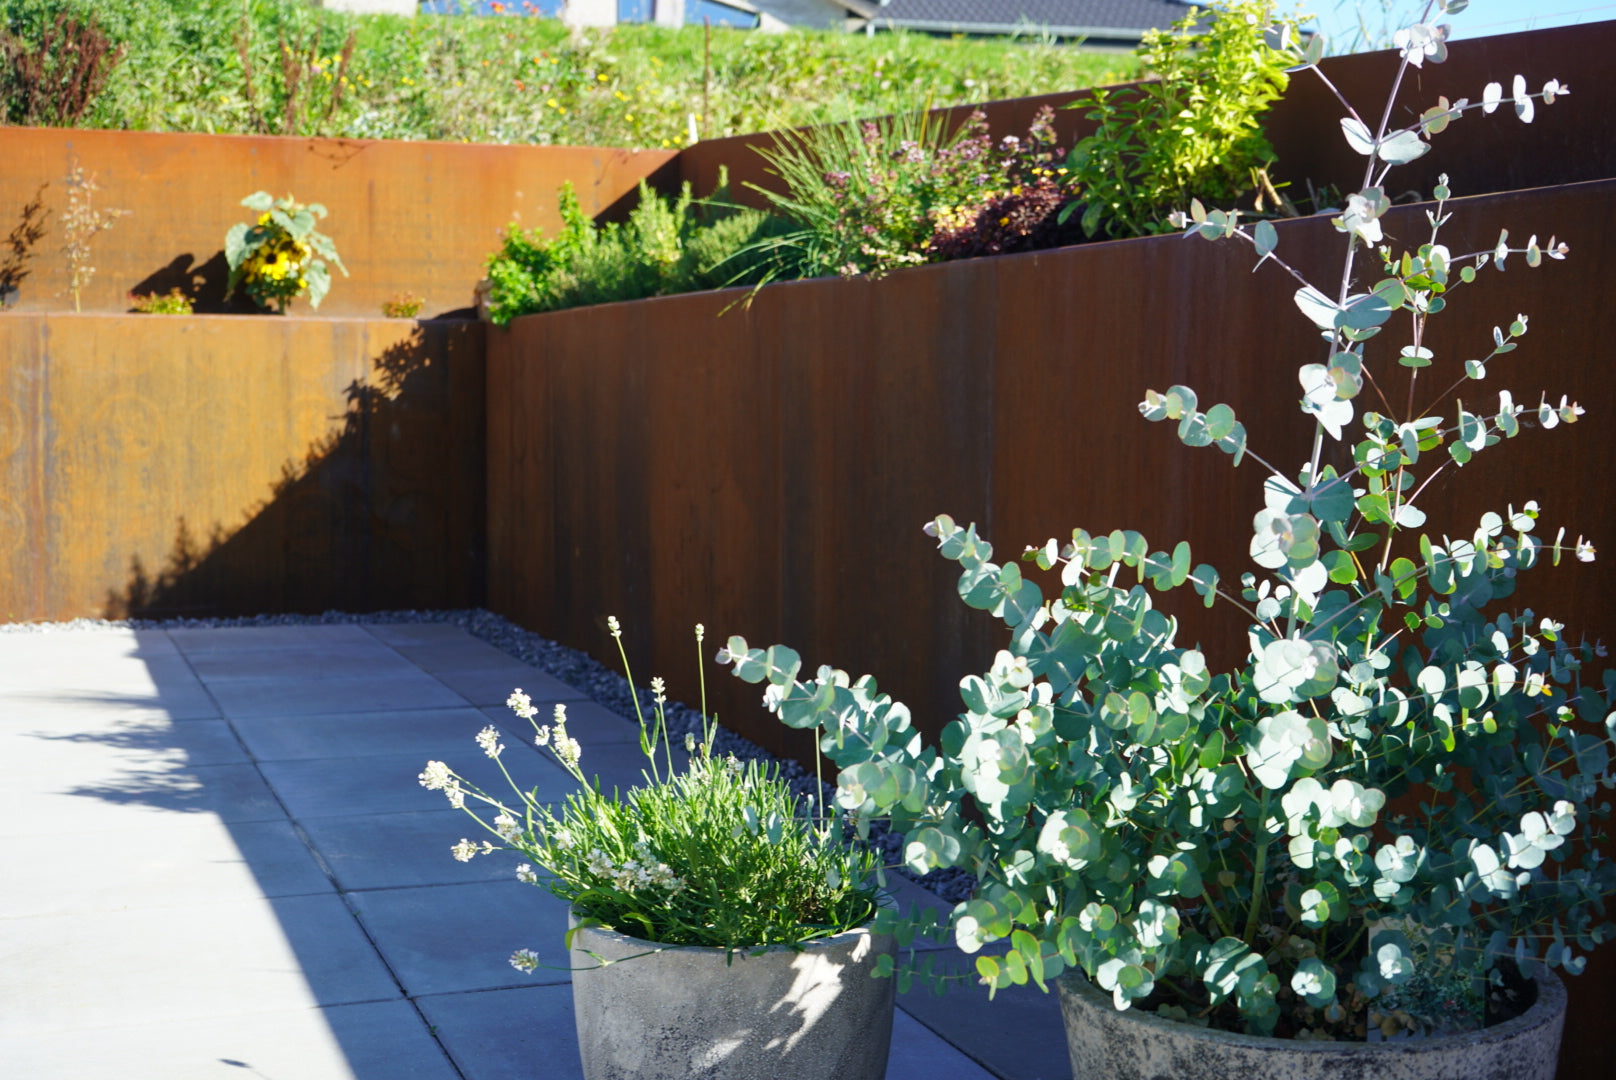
[222,865]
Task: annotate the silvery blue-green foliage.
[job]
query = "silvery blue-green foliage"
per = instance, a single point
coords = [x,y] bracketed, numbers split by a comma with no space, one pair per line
[1398,777]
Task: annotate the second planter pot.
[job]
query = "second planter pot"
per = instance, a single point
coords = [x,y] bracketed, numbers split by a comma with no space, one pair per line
[1108,1044]
[660,1012]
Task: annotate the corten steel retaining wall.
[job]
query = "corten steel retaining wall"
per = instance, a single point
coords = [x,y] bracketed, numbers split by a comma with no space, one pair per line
[405,216]
[1575,140]
[221,465]
[766,470]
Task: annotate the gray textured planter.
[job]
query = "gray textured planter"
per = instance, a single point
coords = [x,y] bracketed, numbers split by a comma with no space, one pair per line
[683,1014]
[1131,1045]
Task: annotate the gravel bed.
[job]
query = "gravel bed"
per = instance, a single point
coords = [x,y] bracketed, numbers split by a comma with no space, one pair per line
[577,669]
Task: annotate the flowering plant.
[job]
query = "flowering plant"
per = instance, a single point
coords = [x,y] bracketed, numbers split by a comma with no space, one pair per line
[721,854]
[173,302]
[1390,809]
[280,256]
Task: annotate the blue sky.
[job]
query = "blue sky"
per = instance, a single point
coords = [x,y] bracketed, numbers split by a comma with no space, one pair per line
[1483,18]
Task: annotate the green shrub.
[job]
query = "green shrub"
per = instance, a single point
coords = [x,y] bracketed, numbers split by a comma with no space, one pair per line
[1193,132]
[663,248]
[522,80]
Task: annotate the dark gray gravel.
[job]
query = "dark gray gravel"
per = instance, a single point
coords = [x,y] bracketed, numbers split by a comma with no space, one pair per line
[578,670]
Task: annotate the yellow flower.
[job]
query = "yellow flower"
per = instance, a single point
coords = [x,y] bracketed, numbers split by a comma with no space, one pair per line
[263,219]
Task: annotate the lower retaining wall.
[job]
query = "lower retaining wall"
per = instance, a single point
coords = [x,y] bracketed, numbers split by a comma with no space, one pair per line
[209,465]
[766,469]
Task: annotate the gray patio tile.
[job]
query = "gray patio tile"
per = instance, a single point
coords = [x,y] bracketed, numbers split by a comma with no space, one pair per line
[200,860]
[388,783]
[344,660]
[430,732]
[135,796]
[164,964]
[492,685]
[441,651]
[177,698]
[1019,1035]
[451,938]
[96,739]
[202,640]
[68,673]
[418,633]
[378,1041]
[500,1034]
[590,722]
[918,1053]
[93,646]
[292,695]
[401,850]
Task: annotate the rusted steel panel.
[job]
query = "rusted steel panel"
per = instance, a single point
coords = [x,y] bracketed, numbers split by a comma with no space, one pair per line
[1573,142]
[677,442]
[766,469]
[406,216]
[213,465]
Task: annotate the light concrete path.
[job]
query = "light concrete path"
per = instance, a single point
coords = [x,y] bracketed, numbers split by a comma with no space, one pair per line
[216,862]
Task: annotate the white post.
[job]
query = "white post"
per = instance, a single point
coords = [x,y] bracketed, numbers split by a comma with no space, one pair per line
[589,12]
[668,12]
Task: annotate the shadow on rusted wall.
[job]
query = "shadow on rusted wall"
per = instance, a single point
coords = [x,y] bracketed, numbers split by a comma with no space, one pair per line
[204,466]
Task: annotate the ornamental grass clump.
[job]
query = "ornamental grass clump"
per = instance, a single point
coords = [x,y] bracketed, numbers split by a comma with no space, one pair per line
[282,255]
[1390,810]
[720,854]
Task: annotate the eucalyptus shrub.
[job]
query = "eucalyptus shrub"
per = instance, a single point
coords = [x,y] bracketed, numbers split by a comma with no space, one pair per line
[1396,793]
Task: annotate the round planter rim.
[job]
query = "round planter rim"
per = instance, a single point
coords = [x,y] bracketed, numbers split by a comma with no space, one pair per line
[629,940]
[1551,1000]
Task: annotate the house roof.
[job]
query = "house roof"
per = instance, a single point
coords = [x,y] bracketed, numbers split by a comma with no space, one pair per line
[1114,19]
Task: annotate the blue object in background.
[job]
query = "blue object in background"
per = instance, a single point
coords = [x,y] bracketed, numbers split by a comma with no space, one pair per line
[696,10]
[548,8]
[628,11]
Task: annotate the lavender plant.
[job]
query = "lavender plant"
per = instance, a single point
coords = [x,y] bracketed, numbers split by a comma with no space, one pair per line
[1396,794]
[719,854]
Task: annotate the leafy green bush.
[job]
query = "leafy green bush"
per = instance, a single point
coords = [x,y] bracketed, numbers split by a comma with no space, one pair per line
[1193,132]
[522,80]
[663,248]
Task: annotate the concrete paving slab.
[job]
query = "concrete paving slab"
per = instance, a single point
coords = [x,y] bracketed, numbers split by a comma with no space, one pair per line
[178,699]
[156,965]
[493,685]
[590,722]
[195,641]
[379,1041]
[453,938]
[1018,1035]
[200,860]
[418,633]
[137,797]
[388,783]
[65,670]
[390,851]
[292,695]
[918,1053]
[429,732]
[95,645]
[503,1034]
[343,660]
[143,737]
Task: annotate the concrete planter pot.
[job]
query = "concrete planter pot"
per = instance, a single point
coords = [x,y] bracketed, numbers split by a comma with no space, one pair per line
[682,1013]
[1131,1045]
